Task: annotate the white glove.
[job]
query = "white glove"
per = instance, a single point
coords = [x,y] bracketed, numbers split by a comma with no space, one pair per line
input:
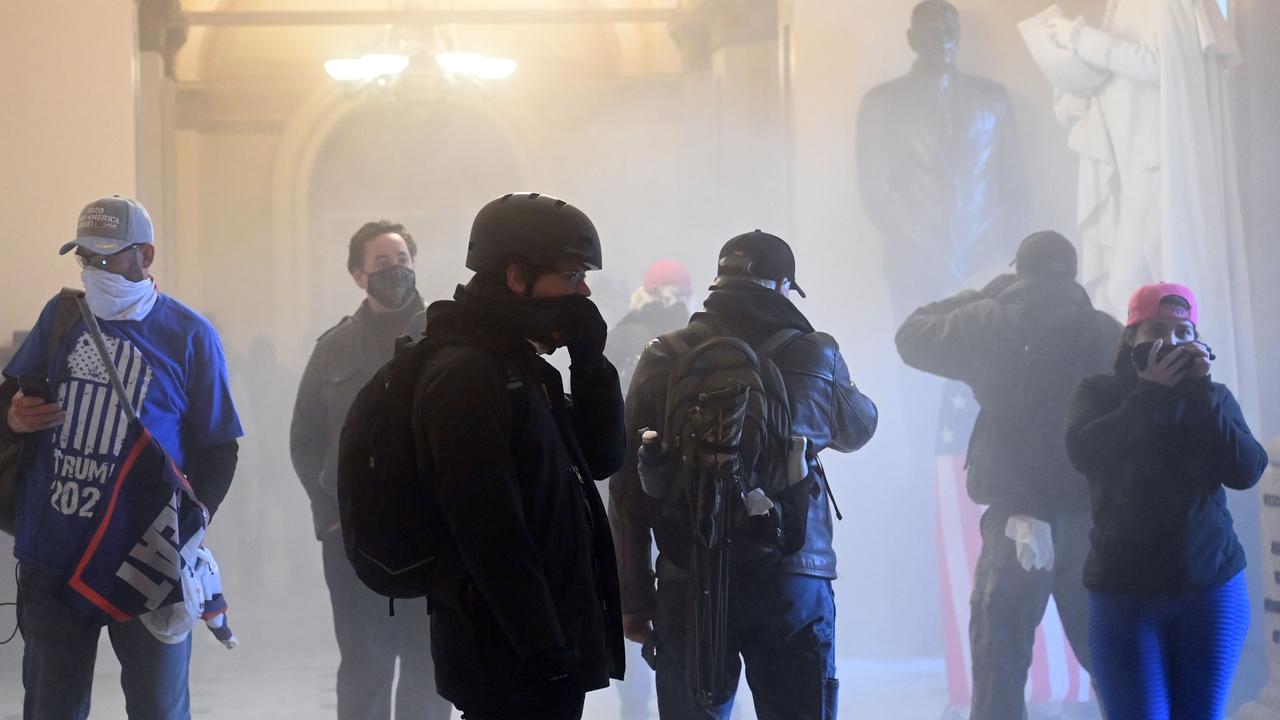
[1034,541]
[1064,33]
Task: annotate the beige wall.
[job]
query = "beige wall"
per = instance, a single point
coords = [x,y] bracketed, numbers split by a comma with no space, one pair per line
[66,136]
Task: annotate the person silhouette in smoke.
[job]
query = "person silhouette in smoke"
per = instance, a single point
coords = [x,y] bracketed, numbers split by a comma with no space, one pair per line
[1022,343]
[380,260]
[659,305]
[939,168]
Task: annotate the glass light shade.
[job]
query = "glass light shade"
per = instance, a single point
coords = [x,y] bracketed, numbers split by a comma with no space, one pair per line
[476,65]
[366,67]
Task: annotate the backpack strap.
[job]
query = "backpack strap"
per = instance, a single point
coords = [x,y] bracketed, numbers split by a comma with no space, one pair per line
[777,341]
[677,343]
[65,315]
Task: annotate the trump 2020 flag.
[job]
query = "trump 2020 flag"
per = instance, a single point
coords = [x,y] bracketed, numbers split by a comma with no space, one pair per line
[138,544]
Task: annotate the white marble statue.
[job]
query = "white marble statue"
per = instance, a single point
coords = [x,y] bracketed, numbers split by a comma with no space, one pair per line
[1158,189]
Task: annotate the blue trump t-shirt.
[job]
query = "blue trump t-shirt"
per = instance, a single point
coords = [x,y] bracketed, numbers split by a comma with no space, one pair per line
[173,370]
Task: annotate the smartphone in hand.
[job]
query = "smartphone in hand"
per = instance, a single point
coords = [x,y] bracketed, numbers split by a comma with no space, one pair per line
[36,386]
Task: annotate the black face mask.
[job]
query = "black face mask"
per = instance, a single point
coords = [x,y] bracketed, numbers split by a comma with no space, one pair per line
[549,321]
[1142,351]
[538,319]
[393,287]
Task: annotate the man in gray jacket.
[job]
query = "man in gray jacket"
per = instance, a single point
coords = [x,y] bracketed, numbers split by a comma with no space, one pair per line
[380,260]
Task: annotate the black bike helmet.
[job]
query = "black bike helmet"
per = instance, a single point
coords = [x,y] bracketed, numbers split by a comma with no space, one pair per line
[539,228]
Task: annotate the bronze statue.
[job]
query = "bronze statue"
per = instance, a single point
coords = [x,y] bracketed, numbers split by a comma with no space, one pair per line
[939,167]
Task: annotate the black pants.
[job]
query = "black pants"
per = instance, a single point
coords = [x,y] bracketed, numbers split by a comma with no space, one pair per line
[556,706]
[781,626]
[370,640]
[1008,603]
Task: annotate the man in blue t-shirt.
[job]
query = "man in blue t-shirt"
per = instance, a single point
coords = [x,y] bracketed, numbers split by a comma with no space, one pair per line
[171,364]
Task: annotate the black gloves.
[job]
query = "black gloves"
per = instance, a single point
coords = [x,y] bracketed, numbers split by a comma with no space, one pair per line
[582,330]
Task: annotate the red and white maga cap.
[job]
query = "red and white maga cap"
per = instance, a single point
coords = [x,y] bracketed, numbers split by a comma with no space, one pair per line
[667,273]
[1146,304]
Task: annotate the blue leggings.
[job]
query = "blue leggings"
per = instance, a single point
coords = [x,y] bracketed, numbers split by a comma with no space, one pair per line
[1168,658]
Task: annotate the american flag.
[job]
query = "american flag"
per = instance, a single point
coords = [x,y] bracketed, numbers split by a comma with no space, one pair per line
[1056,676]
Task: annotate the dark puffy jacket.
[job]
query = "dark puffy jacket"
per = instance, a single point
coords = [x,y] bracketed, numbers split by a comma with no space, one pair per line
[529,575]
[1157,459]
[345,357]
[826,407]
[1022,346]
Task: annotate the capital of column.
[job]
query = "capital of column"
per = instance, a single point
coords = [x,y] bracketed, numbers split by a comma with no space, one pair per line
[162,28]
[709,25]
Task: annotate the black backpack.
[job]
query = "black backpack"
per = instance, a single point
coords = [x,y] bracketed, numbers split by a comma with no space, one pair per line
[17,451]
[728,420]
[392,528]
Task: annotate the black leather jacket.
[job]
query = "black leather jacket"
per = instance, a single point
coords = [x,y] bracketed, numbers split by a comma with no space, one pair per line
[826,407]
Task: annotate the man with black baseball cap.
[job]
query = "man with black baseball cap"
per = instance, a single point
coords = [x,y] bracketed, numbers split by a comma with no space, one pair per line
[760,255]
[780,607]
[1022,344]
[171,362]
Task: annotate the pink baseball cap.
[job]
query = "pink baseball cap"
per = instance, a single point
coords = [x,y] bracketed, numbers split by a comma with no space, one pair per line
[1146,304]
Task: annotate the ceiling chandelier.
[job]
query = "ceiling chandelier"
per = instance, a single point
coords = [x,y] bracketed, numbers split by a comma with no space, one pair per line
[399,52]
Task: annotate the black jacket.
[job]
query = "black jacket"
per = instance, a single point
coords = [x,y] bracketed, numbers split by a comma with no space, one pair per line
[1022,345]
[346,356]
[628,338]
[1157,459]
[529,577]
[826,407]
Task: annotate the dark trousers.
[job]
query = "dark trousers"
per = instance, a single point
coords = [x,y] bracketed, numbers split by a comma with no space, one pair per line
[60,649]
[1008,603]
[781,626]
[559,704]
[370,640]
[1168,658]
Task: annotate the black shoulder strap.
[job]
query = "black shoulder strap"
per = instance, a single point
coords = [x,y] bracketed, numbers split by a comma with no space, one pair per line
[704,329]
[65,314]
[777,341]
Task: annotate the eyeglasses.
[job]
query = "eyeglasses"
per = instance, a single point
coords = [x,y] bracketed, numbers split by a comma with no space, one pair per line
[100,262]
[575,278]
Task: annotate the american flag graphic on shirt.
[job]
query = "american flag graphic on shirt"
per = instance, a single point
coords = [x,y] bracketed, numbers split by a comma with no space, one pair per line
[87,449]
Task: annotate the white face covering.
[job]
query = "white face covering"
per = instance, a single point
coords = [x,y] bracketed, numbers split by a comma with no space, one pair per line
[114,297]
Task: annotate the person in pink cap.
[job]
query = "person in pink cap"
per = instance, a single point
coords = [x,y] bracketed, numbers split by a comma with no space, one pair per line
[659,305]
[1159,441]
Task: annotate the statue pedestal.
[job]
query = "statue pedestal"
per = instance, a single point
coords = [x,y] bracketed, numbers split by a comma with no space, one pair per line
[1267,706]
